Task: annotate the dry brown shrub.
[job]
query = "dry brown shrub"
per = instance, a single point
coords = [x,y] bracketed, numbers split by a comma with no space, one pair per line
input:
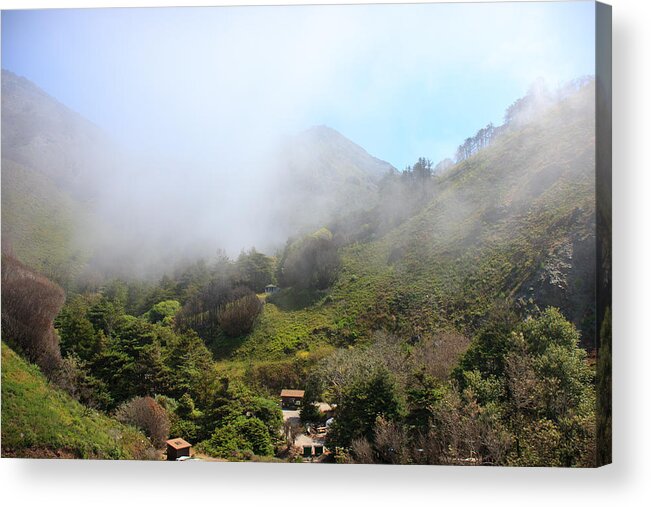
[362,452]
[237,317]
[149,416]
[30,302]
[440,354]
[392,442]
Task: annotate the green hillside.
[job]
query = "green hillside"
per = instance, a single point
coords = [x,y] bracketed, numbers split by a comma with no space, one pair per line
[495,229]
[514,222]
[39,223]
[40,421]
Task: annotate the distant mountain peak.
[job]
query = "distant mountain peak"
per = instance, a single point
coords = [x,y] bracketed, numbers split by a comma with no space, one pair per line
[325,130]
[331,142]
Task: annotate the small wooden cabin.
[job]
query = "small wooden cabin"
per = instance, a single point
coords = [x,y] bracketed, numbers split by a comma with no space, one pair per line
[291,398]
[177,448]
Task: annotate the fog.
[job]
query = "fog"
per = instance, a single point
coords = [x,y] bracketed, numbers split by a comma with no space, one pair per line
[202,108]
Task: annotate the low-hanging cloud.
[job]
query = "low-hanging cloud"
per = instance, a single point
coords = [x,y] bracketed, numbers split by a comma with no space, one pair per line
[200,101]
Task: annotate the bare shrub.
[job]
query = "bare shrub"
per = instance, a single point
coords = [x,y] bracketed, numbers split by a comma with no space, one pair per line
[522,383]
[497,441]
[457,429]
[30,302]
[428,449]
[440,354]
[392,442]
[149,416]
[86,389]
[237,317]
[362,452]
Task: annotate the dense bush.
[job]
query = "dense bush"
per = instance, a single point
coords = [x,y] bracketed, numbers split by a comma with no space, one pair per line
[225,442]
[238,439]
[149,416]
[523,394]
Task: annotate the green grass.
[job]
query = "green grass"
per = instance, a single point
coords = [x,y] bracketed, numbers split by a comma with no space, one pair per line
[39,220]
[39,420]
[278,333]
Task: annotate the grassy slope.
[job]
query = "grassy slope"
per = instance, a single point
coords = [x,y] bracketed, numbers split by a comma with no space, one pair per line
[495,220]
[39,420]
[39,221]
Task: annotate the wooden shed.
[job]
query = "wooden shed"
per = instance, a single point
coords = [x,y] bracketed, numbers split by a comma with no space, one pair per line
[177,448]
[291,398]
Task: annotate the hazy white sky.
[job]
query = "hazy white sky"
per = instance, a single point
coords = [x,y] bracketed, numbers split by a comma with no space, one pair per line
[207,85]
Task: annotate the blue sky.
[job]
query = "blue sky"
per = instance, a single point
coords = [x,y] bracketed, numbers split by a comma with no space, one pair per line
[206,84]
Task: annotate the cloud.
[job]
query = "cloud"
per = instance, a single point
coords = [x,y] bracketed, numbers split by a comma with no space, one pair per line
[202,97]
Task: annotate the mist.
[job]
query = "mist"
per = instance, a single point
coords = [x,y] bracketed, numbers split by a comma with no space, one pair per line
[206,113]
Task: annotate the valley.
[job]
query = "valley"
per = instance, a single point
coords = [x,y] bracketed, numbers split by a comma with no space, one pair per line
[446,311]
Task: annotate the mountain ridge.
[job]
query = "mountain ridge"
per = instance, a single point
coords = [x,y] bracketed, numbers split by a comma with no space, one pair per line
[88,193]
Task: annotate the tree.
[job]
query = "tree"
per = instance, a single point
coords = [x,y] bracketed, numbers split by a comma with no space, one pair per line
[422,169]
[311,262]
[239,438]
[309,410]
[423,393]
[255,270]
[266,411]
[483,138]
[492,342]
[362,403]
[256,434]
[207,311]
[550,394]
[163,312]
[191,369]
[78,336]
[225,442]
[153,375]
[73,377]
[104,314]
